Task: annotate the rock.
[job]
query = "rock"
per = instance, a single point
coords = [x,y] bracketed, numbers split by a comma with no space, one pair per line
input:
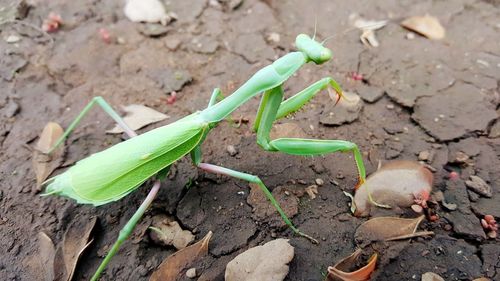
[424,156]
[346,111]
[393,150]
[11,39]
[464,222]
[273,37]
[460,157]
[495,130]
[204,44]
[491,259]
[231,150]
[170,79]
[172,43]
[369,94]
[466,111]
[11,109]
[153,29]
[191,273]
[430,276]
[267,262]
[393,128]
[479,186]
[10,63]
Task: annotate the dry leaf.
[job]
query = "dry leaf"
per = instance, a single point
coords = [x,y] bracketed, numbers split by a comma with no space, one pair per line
[267,262]
[340,270]
[368,28]
[397,183]
[168,232]
[46,252]
[173,265]
[43,163]
[312,190]
[427,26]
[388,228]
[138,116]
[75,241]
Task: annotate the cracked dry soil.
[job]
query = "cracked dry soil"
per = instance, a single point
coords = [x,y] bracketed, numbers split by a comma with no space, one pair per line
[441,97]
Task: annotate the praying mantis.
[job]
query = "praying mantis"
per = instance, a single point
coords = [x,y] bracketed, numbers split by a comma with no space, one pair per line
[112,174]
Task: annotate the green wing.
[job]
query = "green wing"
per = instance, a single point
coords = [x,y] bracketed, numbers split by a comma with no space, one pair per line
[115,172]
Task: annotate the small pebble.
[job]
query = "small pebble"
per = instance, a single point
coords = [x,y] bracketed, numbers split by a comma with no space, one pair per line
[319,182]
[191,273]
[390,106]
[12,39]
[424,155]
[231,150]
[410,35]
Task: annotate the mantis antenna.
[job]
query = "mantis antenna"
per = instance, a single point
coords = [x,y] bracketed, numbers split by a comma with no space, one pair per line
[315,26]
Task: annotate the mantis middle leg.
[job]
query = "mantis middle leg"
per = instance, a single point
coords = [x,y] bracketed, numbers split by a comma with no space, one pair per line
[273,107]
[196,157]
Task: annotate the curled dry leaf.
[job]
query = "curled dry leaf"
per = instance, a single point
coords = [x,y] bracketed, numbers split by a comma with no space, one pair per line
[397,183]
[427,26]
[172,267]
[389,228]
[168,232]
[43,163]
[138,116]
[76,240]
[267,262]
[340,271]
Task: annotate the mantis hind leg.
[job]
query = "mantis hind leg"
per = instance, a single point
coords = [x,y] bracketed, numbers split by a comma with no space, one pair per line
[253,179]
[273,107]
[107,108]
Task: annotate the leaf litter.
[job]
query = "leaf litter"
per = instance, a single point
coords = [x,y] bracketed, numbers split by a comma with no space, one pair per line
[43,163]
[172,267]
[137,117]
[167,231]
[389,229]
[427,26]
[342,270]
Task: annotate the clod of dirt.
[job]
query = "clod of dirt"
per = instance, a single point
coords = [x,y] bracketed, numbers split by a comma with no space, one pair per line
[427,26]
[341,270]
[396,184]
[168,232]
[10,63]
[173,266]
[388,229]
[491,259]
[43,163]
[287,130]
[138,116]
[75,241]
[146,11]
[346,111]
[479,186]
[266,262]
[431,276]
[369,94]
[495,130]
[170,80]
[466,111]
[264,211]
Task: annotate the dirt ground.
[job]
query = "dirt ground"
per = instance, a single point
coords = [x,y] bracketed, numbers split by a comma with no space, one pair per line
[440,97]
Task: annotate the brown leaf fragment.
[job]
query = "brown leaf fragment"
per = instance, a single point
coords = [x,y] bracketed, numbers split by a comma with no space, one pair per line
[427,26]
[43,163]
[388,229]
[340,271]
[46,255]
[173,266]
[75,241]
[138,116]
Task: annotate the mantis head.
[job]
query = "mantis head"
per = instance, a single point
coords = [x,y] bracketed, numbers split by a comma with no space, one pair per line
[313,49]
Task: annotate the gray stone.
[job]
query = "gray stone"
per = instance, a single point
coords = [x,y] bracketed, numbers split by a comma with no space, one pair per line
[479,186]
[491,260]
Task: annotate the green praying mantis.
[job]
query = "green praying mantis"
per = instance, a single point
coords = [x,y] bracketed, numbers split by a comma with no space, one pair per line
[112,174]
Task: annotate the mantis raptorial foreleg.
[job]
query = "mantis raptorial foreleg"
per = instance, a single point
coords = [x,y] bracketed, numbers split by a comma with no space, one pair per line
[107,108]
[273,107]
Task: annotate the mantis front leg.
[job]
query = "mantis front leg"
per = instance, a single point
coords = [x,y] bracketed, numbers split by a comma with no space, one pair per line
[273,107]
